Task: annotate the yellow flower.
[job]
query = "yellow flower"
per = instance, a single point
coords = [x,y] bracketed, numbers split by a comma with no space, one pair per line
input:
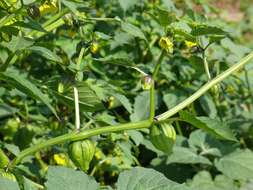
[60,159]
[94,47]
[48,7]
[166,44]
[190,44]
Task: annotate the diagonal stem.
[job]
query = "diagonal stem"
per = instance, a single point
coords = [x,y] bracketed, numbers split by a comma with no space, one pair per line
[204,88]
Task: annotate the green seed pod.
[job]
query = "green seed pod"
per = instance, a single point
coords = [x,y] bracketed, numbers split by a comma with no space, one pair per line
[163,137]
[4,160]
[81,153]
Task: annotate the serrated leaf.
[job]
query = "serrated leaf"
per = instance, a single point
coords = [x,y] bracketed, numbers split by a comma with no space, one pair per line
[46,53]
[24,85]
[61,178]
[88,100]
[203,181]
[133,30]
[212,126]
[200,30]
[237,165]
[146,179]
[186,156]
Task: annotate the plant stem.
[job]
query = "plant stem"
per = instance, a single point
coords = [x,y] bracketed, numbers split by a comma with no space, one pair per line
[157,66]
[152,89]
[152,101]
[204,88]
[79,136]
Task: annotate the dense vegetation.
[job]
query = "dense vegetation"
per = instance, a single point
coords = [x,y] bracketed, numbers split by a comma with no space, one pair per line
[126,94]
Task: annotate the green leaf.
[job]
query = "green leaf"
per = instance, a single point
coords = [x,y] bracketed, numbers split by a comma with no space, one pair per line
[6,184]
[88,100]
[119,58]
[186,156]
[30,185]
[31,24]
[237,165]
[165,17]
[125,102]
[146,179]
[205,144]
[141,107]
[6,110]
[24,85]
[208,105]
[18,43]
[133,30]
[125,5]
[200,141]
[61,178]
[173,98]
[199,30]
[203,181]
[212,126]
[48,54]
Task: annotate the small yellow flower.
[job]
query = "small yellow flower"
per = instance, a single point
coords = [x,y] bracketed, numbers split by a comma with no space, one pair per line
[60,159]
[190,44]
[166,44]
[94,47]
[48,7]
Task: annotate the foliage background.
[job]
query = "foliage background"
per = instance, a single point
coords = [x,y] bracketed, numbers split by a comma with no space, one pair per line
[38,70]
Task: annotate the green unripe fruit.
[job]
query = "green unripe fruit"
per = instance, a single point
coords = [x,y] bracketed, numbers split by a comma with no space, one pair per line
[163,137]
[81,153]
[4,160]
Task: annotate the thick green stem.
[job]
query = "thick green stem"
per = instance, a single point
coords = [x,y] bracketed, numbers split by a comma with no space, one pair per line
[204,88]
[79,136]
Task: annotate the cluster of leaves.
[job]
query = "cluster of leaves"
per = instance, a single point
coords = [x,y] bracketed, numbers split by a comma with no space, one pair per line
[99,47]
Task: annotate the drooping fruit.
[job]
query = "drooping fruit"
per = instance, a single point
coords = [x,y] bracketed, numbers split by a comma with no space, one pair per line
[81,153]
[163,137]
